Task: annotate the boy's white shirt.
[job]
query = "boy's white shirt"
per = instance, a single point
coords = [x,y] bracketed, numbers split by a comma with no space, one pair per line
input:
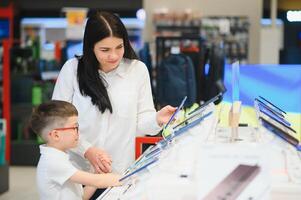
[53,172]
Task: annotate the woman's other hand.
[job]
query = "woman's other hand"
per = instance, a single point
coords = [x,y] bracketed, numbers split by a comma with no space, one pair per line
[99,159]
[164,114]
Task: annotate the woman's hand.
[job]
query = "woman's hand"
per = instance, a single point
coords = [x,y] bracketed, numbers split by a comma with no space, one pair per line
[99,159]
[164,114]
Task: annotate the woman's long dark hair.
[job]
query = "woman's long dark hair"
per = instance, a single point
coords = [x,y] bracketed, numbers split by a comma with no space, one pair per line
[99,26]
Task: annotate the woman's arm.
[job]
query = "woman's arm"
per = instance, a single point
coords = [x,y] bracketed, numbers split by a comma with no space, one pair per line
[149,121]
[146,113]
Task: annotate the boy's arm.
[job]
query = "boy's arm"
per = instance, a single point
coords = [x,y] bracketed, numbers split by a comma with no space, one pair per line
[96,180]
[88,192]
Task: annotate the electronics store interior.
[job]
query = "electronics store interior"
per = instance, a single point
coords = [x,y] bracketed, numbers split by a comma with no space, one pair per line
[215,113]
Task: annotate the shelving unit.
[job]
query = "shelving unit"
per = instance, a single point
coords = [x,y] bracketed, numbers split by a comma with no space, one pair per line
[233,31]
[33,70]
[7,15]
[28,89]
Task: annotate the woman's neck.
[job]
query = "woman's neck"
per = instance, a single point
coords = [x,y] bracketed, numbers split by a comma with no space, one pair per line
[107,70]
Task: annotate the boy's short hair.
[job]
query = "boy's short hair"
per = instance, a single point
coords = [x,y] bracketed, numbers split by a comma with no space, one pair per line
[50,115]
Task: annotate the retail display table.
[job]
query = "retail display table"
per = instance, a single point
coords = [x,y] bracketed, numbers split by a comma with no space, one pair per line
[196,164]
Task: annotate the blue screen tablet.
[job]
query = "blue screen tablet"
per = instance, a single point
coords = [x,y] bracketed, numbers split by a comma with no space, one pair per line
[130,174]
[212,100]
[174,115]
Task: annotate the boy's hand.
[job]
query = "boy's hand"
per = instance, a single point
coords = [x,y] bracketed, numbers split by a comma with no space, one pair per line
[99,159]
[112,179]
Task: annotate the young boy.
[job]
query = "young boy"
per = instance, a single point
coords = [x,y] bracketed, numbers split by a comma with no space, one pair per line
[56,122]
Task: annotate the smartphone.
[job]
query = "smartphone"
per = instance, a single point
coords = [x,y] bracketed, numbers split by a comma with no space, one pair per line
[276,129]
[276,112]
[270,114]
[270,103]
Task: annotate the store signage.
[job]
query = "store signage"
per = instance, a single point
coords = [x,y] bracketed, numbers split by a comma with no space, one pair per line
[293,15]
[76,19]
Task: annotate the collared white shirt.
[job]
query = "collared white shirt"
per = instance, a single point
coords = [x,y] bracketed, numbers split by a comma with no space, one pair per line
[53,172]
[133,114]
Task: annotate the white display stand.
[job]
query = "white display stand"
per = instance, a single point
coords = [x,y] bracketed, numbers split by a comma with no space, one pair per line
[198,160]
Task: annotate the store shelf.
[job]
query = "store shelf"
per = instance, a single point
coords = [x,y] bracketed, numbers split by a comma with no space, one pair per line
[4,183]
[6,13]
[6,95]
[25,153]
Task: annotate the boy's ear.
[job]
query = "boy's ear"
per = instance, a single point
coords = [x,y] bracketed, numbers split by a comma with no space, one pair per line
[54,135]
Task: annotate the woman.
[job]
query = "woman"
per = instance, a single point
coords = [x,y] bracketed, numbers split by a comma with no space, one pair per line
[112,92]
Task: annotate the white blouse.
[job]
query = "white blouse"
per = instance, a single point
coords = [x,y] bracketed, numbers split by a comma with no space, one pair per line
[133,114]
